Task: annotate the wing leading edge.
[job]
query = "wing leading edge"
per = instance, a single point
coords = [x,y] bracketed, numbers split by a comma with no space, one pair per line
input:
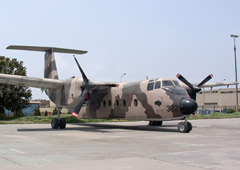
[216,84]
[42,83]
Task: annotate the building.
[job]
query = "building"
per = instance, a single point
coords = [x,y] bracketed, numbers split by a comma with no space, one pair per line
[30,110]
[49,106]
[43,105]
[216,100]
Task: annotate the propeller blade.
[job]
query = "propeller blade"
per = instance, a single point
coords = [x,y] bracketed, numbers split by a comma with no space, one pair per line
[194,95]
[180,77]
[80,104]
[205,80]
[81,70]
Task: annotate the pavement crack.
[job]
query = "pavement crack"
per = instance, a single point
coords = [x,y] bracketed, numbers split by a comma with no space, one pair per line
[10,160]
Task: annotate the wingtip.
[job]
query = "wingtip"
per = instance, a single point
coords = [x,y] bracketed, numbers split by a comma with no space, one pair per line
[9,47]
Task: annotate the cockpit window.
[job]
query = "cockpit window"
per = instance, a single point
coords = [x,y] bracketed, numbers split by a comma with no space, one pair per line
[167,83]
[158,85]
[150,85]
[176,83]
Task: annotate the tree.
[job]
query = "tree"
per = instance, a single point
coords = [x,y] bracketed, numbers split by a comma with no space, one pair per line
[46,113]
[37,112]
[13,98]
[55,111]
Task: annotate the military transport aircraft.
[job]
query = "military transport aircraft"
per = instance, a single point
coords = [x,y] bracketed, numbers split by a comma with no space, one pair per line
[150,100]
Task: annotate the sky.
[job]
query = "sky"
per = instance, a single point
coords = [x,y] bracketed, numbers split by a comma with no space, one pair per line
[154,38]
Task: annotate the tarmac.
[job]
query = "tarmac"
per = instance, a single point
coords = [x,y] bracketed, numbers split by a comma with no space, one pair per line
[212,145]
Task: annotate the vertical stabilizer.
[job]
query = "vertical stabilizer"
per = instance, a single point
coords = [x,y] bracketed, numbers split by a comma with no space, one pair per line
[50,69]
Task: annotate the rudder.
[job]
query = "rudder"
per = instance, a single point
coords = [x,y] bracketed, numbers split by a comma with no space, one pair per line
[50,69]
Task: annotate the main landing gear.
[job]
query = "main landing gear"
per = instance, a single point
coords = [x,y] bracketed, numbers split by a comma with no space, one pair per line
[184,127]
[58,122]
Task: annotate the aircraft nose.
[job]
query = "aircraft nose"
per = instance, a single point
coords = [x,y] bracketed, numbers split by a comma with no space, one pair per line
[188,106]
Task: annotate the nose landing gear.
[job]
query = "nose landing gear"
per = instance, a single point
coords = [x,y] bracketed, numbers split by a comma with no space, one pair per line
[184,127]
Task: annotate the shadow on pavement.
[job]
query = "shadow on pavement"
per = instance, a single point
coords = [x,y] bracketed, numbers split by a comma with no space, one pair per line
[106,128]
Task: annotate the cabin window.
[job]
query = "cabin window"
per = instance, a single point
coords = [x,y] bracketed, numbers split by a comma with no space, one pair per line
[98,104]
[150,85]
[158,85]
[117,102]
[124,102]
[109,103]
[167,83]
[104,103]
[135,102]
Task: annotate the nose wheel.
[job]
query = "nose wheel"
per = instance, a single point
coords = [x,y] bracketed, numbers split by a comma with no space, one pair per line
[184,127]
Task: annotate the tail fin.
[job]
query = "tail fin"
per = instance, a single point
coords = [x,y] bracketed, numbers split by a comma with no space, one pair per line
[50,70]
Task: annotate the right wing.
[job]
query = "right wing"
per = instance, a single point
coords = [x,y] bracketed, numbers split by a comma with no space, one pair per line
[215,84]
[42,83]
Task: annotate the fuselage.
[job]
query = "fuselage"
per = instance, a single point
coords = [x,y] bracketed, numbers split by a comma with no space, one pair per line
[157,99]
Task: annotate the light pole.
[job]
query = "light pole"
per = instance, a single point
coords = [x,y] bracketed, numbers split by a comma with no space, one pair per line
[122,76]
[235,57]
[220,97]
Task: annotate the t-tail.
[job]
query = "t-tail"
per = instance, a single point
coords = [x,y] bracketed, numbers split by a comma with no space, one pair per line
[50,69]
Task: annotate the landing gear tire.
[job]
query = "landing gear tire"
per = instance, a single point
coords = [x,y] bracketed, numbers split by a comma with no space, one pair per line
[55,123]
[58,123]
[155,123]
[184,127]
[189,126]
[62,123]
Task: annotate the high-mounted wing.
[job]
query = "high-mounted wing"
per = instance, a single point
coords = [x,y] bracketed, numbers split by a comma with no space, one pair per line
[216,84]
[42,83]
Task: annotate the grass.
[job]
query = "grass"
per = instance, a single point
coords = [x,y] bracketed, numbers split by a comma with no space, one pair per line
[216,116]
[71,119]
[48,119]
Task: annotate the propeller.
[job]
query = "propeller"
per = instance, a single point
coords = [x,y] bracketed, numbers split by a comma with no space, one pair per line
[194,88]
[87,85]
[205,80]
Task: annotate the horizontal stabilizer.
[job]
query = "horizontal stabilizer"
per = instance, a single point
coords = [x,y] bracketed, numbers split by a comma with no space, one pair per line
[45,49]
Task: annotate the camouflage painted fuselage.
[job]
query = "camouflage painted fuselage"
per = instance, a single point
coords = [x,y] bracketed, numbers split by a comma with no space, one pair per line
[129,100]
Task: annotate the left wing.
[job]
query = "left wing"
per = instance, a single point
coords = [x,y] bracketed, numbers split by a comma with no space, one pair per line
[42,83]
